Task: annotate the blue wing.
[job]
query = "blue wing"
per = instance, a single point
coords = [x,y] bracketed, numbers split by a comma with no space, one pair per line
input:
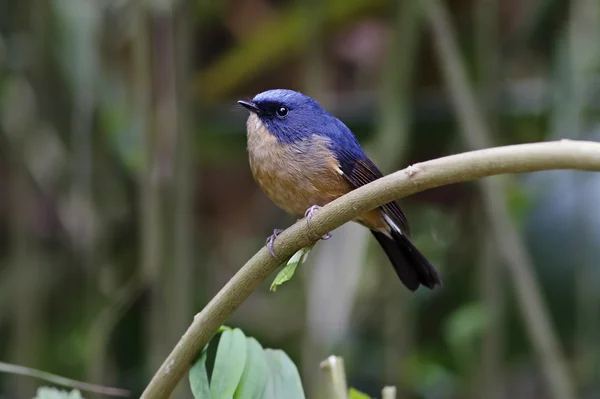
[358,169]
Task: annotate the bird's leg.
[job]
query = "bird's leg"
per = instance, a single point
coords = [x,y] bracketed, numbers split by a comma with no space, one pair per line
[271,240]
[309,214]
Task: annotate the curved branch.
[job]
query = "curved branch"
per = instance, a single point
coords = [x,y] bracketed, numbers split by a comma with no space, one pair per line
[564,154]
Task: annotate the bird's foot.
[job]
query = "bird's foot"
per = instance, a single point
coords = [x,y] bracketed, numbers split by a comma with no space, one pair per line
[326,236]
[309,214]
[271,240]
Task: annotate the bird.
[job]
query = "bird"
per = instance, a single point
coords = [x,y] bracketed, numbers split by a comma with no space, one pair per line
[302,158]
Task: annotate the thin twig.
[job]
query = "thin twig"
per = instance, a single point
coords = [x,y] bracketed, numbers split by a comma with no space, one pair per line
[58,380]
[564,154]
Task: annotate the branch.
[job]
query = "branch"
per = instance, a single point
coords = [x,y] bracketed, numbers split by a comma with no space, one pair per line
[58,380]
[564,154]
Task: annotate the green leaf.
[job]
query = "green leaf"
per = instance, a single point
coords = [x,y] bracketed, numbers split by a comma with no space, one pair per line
[289,269]
[284,381]
[54,393]
[356,394]
[256,373]
[229,364]
[199,378]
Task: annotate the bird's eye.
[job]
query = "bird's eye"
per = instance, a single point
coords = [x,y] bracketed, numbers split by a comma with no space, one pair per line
[282,111]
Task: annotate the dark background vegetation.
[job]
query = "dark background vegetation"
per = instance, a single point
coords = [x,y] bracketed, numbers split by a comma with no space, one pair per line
[126,201]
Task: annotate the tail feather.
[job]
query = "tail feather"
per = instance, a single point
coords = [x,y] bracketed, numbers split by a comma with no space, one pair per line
[410,265]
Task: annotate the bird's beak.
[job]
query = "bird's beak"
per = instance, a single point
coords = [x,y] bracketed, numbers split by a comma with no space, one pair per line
[249,105]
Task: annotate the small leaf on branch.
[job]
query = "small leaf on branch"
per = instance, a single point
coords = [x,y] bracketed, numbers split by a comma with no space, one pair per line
[289,269]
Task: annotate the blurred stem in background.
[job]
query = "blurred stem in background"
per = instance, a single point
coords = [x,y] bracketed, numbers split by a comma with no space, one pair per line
[148,123]
[181,276]
[388,151]
[582,59]
[489,381]
[161,151]
[80,61]
[168,180]
[36,162]
[20,122]
[26,299]
[505,233]
[83,68]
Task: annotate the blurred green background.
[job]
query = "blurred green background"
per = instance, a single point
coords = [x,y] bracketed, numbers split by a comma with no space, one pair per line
[126,200]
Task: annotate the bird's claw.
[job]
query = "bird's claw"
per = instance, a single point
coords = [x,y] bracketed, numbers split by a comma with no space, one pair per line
[271,240]
[309,214]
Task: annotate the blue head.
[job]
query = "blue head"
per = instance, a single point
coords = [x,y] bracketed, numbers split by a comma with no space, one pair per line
[289,115]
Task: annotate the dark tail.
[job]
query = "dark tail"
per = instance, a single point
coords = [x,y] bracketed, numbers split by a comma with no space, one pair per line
[410,265]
